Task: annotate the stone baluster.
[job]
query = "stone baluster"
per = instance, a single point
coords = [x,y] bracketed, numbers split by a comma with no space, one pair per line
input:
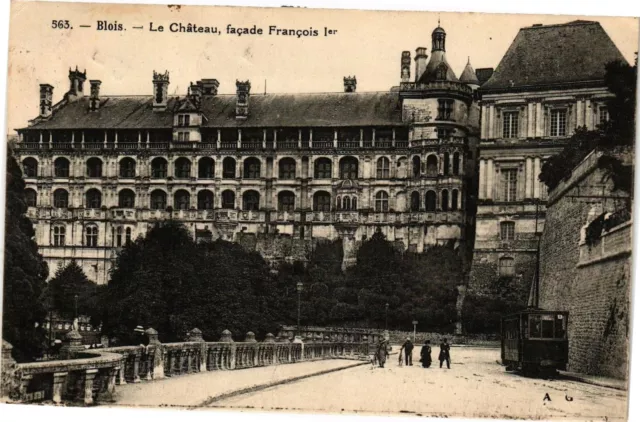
[169,362]
[227,338]
[156,364]
[87,392]
[109,389]
[121,372]
[136,366]
[58,382]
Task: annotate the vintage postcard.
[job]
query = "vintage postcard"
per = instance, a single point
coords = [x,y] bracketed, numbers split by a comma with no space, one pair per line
[319,211]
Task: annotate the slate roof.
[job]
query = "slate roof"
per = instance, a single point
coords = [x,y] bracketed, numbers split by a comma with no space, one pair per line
[437,59]
[555,54]
[270,110]
[468,75]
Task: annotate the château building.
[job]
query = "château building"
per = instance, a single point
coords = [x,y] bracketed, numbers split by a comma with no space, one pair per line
[285,168]
[549,83]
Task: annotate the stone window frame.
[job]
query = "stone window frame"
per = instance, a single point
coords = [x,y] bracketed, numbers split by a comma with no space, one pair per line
[31,197]
[510,167]
[383,168]
[381,201]
[563,110]
[61,171]
[511,272]
[90,233]
[58,234]
[154,202]
[206,199]
[57,202]
[290,203]
[124,168]
[509,232]
[30,171]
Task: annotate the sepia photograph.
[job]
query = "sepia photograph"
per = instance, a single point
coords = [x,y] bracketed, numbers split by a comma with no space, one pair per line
[318,211]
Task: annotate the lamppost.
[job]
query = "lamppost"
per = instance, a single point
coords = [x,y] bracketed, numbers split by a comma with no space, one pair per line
[386,314]
[299,288]
[75,297]
[415,324]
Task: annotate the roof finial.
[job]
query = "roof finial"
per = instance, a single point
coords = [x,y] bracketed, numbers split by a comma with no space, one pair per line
[438,19]
[468,59]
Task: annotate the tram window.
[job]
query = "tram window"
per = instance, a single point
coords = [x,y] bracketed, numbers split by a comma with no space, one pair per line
[534,326]
[560,328]
[547,326]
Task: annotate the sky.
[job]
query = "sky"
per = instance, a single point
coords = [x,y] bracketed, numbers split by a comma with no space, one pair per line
[367,44]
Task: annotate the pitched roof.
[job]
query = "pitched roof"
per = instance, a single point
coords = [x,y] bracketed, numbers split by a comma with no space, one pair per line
[438,59]
[270,110]
[555,54]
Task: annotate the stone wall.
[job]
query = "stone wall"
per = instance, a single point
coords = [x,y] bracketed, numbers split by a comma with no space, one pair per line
[592,282]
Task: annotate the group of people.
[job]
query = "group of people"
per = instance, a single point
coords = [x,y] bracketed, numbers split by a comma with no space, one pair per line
[407,348]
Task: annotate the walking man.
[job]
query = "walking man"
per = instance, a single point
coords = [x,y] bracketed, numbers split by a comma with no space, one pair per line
[408,351]
[444,353]
[382,352]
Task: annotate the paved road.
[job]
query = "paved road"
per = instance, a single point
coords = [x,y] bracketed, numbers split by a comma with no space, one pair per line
[475,386]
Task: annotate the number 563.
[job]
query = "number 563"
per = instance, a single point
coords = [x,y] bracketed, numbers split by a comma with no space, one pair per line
[60,24]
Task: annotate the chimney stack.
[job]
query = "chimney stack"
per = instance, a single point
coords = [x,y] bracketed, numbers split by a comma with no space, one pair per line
[242,99]
[350,83]
[405,66]
[209,86]
[160,90]
[94,99]
[46,100]
[76,86]
[421,61]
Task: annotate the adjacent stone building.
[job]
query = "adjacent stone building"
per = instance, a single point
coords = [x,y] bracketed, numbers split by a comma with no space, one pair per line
[549,82]
[284,169]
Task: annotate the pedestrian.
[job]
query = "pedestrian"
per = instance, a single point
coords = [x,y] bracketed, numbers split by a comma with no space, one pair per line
[382,352]
[444,353]
[425,354]
[407,346]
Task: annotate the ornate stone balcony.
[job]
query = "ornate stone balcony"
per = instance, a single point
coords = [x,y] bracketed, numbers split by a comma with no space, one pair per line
[457,87]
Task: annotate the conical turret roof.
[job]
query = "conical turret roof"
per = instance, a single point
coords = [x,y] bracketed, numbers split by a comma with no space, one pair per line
[468,75]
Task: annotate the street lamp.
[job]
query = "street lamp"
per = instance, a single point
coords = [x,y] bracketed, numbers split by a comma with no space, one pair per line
[415,324]
[386,314]
[76,302]
[299,288]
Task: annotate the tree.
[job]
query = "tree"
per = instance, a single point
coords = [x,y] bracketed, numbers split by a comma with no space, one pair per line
[25,273]
[70,281]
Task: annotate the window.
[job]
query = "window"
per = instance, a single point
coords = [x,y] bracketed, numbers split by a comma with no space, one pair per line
[432,165]
[441,72]
[228,168]
[30,197]
[506,267]
[603,116]
[287,168]
[382,168]
[430,201]
[322,201]
[507,230]
[183,168]
[546,326]
[510,124]
[183,136]
[94,167]
[61,167]
[445,107]
[416,166]
[322,168]
[456,163]
[30,166]
[415,201]
[446,163]
[443,133]
[286,201]
[94,198]
[119,237]
[454,200]
[128,235]
[205,200]
[251,201]
[228,200]
[58,235]
[159,168]
[91,236]
[183,119]
[127,167]
[181,200]
[445,200]
[345,204]
[158,200]
[252,168]
[382,201]
[509,181]
[60,198]
[558,123]
[126,198]
[348,168]
[206,168]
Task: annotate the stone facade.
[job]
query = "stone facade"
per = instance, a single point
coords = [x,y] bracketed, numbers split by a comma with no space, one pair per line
[590,281]
[531,105]
[273,171]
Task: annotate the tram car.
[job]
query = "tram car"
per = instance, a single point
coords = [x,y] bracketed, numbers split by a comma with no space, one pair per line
[535,341]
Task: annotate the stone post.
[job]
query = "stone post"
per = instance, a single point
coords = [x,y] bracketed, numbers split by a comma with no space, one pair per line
[298,340]
[250,337]
[121,372]
[156,367]
[136,366]
[107,393]
[71,345]
[25,380]
[227,338]
[8,371]
[195,335]
[87,392]
[58,382]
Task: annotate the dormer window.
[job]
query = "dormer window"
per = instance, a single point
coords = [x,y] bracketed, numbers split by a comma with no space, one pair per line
[183,120]
[445,107]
